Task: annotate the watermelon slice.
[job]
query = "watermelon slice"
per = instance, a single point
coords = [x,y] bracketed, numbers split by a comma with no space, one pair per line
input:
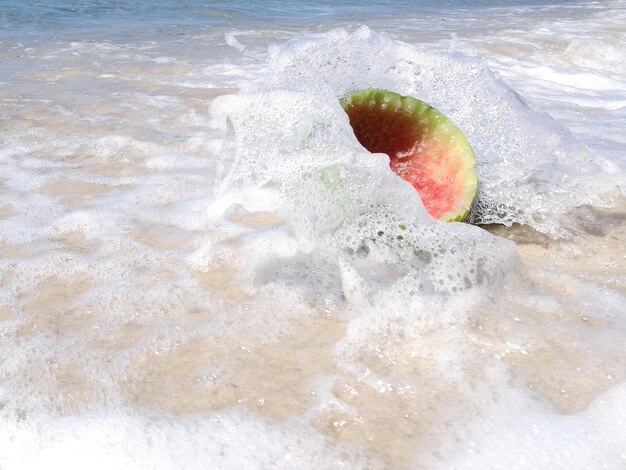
[424,148]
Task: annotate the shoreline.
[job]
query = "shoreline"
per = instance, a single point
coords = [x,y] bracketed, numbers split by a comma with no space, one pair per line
[126,306]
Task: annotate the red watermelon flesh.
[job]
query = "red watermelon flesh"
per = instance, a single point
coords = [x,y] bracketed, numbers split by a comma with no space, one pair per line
[423,146]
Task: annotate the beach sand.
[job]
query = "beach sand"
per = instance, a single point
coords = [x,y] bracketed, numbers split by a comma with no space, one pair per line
[138,330]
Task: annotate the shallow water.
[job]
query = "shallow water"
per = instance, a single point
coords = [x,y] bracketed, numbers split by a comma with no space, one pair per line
[178,285]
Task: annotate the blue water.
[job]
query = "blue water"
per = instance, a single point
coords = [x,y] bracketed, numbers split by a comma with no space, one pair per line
[68,16]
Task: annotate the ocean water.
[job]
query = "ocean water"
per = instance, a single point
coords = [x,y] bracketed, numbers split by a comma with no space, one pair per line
[200,267]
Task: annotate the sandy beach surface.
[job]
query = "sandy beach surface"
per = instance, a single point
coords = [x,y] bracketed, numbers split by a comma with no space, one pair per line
[179,290]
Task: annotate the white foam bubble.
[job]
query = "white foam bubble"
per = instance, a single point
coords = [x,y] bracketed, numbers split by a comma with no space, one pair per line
[225,440]
[534,437]
[528,166]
